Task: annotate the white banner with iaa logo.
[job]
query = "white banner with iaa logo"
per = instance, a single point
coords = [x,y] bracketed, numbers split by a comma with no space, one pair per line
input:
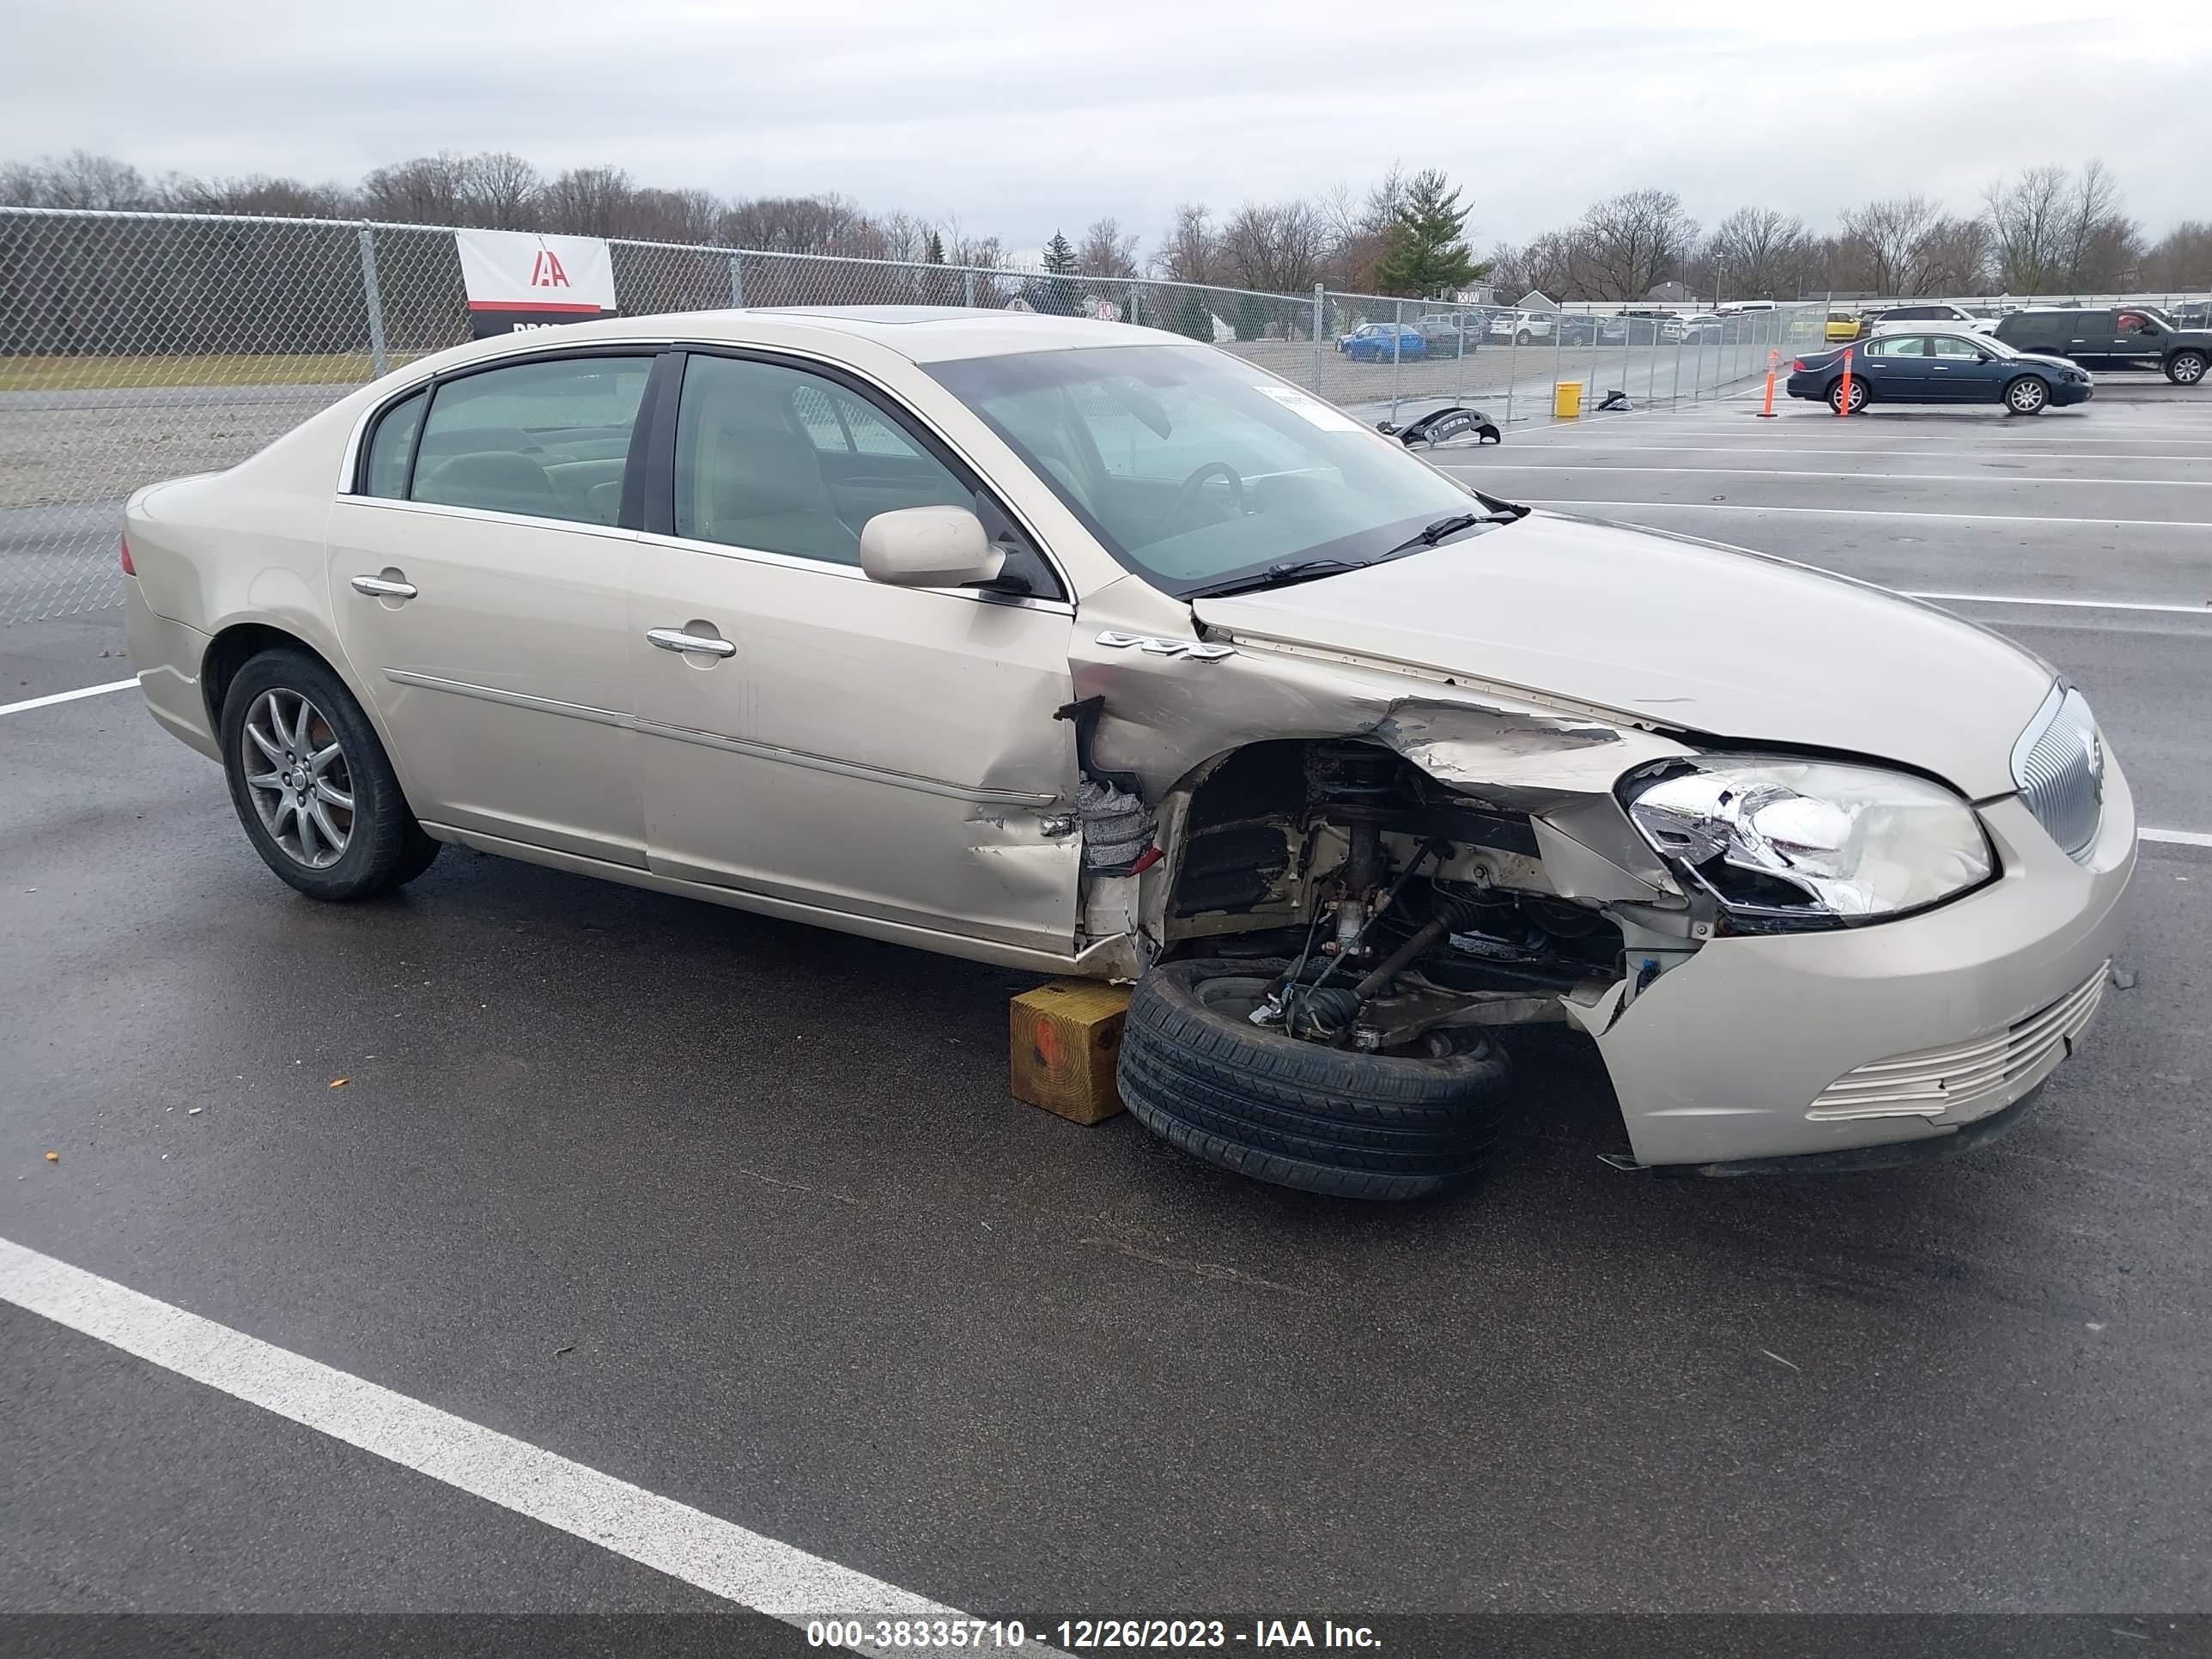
[516,279]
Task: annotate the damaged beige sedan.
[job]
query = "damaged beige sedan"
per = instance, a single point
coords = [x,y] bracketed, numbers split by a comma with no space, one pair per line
[1079,647]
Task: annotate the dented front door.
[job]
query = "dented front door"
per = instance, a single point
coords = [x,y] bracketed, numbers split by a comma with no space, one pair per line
[879,752]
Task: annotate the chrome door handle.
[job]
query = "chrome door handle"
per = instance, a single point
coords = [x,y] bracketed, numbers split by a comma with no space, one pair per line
[675,639]
[378,588]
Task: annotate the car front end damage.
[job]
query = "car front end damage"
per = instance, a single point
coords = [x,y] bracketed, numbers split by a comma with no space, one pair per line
[1407,854]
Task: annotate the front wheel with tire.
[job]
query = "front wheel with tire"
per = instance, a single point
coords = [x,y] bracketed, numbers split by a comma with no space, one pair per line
[2186,367]
[1197,1072]
[312,784]
[1858,396]
[2028,395]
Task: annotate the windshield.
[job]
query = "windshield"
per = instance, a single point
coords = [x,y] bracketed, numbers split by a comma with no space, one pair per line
[1191,466]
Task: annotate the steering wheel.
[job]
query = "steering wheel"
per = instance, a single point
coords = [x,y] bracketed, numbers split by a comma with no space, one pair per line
[1187,495]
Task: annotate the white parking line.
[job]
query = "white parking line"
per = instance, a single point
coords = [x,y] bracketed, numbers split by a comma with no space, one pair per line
[1866,512]
[1915,454]
[2177,837]
[1854,477]
[713,1555]
[67,696]
[2203,609]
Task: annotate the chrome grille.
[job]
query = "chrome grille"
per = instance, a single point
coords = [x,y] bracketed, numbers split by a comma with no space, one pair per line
[1930,1082]
[2059,765]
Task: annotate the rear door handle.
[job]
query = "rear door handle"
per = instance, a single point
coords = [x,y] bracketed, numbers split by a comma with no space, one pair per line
[675,639]
[379,588]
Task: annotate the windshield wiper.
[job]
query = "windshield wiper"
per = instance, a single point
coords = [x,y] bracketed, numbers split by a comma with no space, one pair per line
[1430,534]
[1276,575]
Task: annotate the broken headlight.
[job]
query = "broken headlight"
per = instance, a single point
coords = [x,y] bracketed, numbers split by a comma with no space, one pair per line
[1778,840]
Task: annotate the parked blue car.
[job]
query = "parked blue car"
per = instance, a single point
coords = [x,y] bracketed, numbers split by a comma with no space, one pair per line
[1379,343]
[1912,368]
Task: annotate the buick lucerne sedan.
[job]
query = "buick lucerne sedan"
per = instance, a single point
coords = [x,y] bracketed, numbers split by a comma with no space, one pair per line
[1910,366]
[1084,649]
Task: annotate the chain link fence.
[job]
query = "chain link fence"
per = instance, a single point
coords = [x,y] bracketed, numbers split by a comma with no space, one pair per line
[136,346]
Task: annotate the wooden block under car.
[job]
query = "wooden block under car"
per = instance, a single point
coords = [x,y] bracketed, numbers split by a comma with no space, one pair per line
[1062,1041]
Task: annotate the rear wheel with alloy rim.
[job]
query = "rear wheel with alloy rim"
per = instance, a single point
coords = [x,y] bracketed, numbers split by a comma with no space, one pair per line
[2027,396]
[312,785]
[1858,396]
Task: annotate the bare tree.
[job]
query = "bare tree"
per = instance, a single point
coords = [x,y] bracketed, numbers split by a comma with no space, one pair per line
[1191,250]
[1632,242]
[257,193]
[500,191]
[673,216]
[78,179]
[1275,246]
[1755,254]
[1878,240]
[2028,227]
[2102,244]
[803,224]
[427,191]
[1106,251]
[2182,258]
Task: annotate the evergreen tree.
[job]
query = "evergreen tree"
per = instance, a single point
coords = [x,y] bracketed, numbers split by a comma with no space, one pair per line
[1060,255]
[1425,252]
[1251,316]
[935,253]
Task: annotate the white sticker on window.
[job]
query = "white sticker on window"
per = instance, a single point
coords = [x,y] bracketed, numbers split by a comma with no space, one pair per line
[1309,409]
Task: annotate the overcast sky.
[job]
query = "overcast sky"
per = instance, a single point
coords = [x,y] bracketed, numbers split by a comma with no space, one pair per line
[1022,117]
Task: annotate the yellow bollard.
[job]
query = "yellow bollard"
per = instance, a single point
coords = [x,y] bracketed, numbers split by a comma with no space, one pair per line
[1567,400]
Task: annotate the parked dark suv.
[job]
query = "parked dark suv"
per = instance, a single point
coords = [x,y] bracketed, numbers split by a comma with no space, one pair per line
[2121,334]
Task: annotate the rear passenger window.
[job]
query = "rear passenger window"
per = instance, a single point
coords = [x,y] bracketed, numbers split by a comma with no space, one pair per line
[391,446]
[546,439]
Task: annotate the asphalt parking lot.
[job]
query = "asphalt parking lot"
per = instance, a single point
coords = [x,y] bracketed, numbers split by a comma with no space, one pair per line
[740,1212]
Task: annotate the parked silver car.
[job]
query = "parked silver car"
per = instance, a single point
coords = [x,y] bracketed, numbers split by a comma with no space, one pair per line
[1082,649]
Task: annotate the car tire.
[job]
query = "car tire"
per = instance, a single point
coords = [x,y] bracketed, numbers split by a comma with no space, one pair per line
[1523,337]
[2028,395]
[367,846]
[1329,1120]
[1858,395]
[2186,367]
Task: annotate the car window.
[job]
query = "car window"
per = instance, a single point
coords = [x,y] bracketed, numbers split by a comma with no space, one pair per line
[1950,345]
[2135,323]
[2035,332]
[1898,345]
[393,446]
[546,439]
[1190,465]
[778,459]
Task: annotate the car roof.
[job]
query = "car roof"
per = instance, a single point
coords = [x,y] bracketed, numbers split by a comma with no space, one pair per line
[921,333]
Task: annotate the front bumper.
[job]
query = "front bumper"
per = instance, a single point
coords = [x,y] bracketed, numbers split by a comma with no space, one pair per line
[1763,1047]
[2071,391]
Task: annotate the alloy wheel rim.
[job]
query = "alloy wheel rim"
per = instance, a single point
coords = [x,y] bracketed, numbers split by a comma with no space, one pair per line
[2190,370]
[297,777]
[2027,395]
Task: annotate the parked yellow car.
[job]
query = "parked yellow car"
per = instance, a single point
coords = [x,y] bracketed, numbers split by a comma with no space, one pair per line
[1844,325]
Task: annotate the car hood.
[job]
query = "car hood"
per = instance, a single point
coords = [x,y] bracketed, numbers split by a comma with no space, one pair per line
[1679,633]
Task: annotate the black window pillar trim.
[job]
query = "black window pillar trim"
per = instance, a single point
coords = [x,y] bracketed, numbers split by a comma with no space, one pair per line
[648,501]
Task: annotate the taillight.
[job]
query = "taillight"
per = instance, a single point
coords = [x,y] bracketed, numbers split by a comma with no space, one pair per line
[128,569]
[1796,365]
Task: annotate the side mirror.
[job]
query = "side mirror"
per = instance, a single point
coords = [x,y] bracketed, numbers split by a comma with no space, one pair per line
[929,547]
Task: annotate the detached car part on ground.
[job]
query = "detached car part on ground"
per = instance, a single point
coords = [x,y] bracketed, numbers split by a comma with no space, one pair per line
[1080,648]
